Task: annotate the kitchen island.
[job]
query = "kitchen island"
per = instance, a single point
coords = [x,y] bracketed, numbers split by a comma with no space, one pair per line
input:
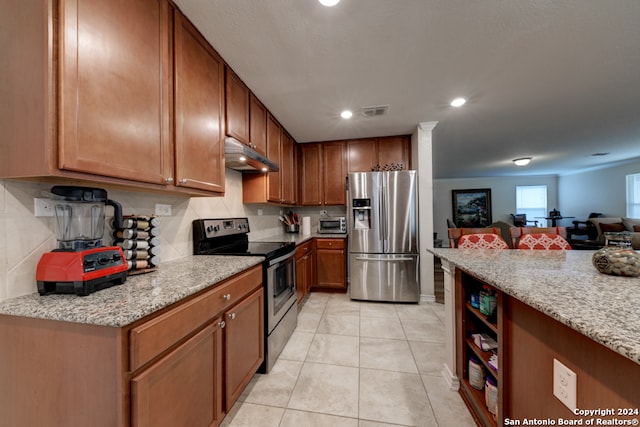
[551,305]
[172,347]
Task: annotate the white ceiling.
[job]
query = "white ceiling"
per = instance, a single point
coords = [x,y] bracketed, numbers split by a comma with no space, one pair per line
[554,80]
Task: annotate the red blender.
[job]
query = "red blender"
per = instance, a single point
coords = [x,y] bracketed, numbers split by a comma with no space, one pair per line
[81,264]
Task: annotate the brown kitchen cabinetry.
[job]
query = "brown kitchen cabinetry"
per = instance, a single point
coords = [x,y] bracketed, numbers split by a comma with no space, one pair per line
[305,256]
[257,125]
[89,97]
[366,154]
[323,173]
[181,366]
[199,93]
[244,344]
[237,107]
[331,265]
[469,320]
[274,187]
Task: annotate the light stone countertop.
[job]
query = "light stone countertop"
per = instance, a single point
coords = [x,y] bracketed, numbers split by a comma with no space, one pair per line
[139,296]
[565,286]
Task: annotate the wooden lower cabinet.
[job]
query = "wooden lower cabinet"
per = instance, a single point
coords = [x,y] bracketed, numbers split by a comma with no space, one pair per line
[244,344]
[184,387]
[331,265]
[305,273]
[185,366]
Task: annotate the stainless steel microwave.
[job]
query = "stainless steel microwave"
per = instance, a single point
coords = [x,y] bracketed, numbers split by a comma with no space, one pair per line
[332,225]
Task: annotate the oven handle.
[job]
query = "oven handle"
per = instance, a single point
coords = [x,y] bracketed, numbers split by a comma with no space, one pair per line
[281,258]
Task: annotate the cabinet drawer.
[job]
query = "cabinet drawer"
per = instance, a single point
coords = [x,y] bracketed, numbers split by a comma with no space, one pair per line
[330,244]
[303,249]
[161,333]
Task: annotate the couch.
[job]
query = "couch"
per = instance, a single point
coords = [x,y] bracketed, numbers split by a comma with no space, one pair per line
[617,224]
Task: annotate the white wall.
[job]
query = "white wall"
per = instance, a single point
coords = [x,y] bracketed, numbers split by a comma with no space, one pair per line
[601,190]
[503,197]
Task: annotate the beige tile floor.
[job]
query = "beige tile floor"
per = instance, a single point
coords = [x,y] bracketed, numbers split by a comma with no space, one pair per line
[356,364]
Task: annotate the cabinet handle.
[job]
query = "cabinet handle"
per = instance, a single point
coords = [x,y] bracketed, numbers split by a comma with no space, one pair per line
[232,316]
[183,181]
[226,297]
[169,180]
[221,324]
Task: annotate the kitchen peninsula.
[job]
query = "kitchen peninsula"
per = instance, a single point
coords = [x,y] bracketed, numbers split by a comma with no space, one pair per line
[551,305]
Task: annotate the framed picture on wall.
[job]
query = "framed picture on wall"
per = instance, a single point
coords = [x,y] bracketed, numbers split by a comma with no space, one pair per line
[472,208]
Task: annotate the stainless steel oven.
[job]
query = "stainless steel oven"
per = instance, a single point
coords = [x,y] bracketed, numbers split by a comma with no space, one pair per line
[229,237]
[282,311]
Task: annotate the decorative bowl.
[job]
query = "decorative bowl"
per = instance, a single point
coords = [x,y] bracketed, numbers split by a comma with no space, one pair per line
[617,261]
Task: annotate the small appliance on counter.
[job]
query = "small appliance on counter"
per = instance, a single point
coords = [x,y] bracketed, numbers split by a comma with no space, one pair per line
[332,225]
[81,264]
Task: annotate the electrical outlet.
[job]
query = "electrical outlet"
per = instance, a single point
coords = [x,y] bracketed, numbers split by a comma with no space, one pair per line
[260,212]
[564,384]
[323,212]
[163,210]
[43,207]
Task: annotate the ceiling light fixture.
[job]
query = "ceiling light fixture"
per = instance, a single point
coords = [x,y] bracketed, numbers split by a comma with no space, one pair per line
[522,161]
[346,114]
[458,102]
[328,3]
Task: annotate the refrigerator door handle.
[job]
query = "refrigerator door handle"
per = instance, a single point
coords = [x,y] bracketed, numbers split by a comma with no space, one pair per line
[364,258]
[382,218]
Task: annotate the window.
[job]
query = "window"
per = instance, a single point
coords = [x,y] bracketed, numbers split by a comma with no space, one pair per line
[633,195]
[531,200]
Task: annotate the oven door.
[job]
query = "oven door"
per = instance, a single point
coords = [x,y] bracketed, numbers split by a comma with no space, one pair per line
[281,288]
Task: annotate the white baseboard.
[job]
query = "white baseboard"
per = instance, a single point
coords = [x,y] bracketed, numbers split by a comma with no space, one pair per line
[452,381]
[427,298]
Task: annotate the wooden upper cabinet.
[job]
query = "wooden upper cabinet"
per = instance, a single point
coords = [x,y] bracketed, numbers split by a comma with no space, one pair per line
[274,150]
[395,150]
[287,172]
[310,174]
[237,107]
[114,90]
[334,172]
[366,154]
[362,155]
[199,109]
[257,125]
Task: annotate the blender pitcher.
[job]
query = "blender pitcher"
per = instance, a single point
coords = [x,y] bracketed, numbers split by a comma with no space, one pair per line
[79,215]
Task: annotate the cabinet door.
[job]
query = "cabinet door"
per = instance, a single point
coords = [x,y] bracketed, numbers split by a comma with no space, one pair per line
[362,155]
[244,344]
[115,89]
[396,150]
[310,174]
[257,125]
[237,107]
[184,387]
[199,94]
[287,170]
[334,173]
[301,277]
[274,149]
[331,268]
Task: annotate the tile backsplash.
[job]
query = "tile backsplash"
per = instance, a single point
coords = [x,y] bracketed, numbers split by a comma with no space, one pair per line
[25,237]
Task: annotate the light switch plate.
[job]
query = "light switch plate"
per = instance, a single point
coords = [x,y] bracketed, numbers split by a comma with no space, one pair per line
[163,210]
[564,384]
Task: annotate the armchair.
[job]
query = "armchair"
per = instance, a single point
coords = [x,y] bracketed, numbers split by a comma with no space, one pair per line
[584,228]
[520,220]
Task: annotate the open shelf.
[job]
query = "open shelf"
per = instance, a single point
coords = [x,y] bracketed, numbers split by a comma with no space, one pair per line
[482,317]
[483,356]
[476,399]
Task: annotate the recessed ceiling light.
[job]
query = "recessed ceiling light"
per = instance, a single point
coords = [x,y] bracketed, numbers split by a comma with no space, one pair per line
[523,161]
[346,114]
[265,169]
[328,3]
[458,102]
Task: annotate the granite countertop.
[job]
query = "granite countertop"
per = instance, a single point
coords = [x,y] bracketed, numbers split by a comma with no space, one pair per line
[136,298]
[298,238]
[563,285]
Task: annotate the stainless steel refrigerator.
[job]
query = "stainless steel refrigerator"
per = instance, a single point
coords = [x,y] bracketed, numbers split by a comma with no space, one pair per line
[383,236]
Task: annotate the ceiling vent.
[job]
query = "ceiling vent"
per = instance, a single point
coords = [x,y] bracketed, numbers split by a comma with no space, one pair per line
[378,110]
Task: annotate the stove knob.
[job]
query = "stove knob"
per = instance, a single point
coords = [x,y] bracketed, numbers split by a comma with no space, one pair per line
[216,228]
[210,228]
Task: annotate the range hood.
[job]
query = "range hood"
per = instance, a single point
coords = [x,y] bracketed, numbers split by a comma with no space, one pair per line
[243,158]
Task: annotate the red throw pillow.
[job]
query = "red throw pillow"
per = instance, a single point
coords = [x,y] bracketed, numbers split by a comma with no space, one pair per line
[616,227]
